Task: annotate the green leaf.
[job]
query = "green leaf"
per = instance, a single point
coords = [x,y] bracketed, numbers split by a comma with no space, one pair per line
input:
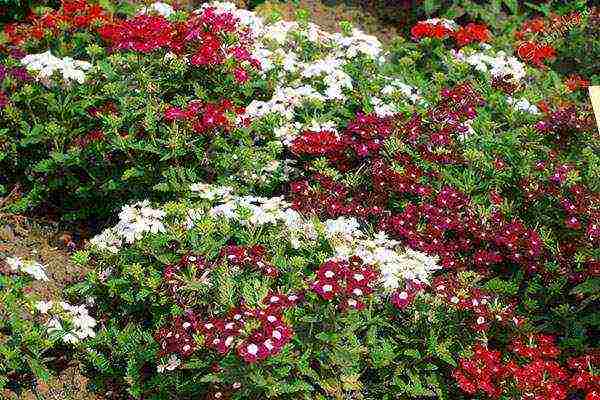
[590,286]
[512,5]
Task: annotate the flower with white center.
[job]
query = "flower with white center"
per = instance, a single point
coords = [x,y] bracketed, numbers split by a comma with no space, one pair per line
[252,349]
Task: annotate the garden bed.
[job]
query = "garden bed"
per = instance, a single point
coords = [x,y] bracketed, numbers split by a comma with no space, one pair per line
[240,205]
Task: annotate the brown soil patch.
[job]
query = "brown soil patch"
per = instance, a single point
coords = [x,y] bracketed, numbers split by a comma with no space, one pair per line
[46,243]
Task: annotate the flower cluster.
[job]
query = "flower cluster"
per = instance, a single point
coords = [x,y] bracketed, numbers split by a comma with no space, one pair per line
[486,308]
[349,282]
[563,124]
[134,221]
[536,53]
[254,256]
[364,135]
[497,64]
[73,323]
[203,39]
[32,268]
[205,117]
[72,15]
[256,334]
[443,29]
[539,376]
[46,64]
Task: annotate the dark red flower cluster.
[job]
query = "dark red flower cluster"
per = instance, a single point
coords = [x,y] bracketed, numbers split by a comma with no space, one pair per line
[84,141]
[505,84]
[177,338]
[206,36]
[563,125]
[3,100]
[262,332]
[255,333]
[533,371]
[108,108]
[250,257]
[583,378]
[463,35]
[487,308]
[72,15]
[206,117]
[332,199]
[364,136]
[318,143]
[349,282]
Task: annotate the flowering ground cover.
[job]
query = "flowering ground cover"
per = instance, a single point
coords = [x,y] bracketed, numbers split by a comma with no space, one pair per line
[279,211]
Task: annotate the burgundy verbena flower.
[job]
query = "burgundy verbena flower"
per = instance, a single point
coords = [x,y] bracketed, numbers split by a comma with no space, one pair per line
[347,281]
[269,335]
[250,257]
[3,100]
[317,143]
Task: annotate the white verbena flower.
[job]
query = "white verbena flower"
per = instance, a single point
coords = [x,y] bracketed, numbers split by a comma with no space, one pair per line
[32,268]
[47,64]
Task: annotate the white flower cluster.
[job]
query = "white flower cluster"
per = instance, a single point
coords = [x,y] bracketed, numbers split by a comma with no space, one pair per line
[320,76]
[159,8]
[498,65]
[32,268]
[253,210]
[73,322]
[523,105]
[395,262]
[134,221]
[284,102]
[47,64]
